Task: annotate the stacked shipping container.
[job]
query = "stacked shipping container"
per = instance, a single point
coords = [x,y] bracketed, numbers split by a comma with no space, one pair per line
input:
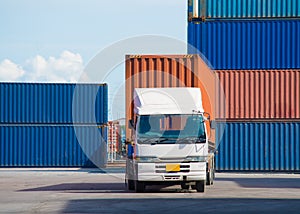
[153,71]
[254,45]
[243,9]
[52,103]
[260,146]
[261,94]
[48,124]
[273,44]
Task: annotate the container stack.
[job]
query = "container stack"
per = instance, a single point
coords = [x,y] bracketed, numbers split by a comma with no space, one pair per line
[254,46]
[44,125]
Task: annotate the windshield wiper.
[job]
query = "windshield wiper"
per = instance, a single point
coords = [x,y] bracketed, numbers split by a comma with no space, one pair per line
[160,140]
[192,139]
[201,139]
[155,140]
[187,139]
[148,140]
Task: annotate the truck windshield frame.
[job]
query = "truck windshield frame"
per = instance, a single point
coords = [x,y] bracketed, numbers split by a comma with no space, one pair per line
[170,128]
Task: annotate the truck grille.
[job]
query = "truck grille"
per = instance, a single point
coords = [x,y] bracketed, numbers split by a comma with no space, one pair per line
[161,168]
[172,177]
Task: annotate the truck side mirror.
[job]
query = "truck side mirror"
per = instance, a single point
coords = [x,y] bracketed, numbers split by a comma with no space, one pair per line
[213,124]
[131,124]
[206,115]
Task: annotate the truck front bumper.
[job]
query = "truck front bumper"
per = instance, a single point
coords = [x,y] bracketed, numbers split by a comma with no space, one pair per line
[195,171]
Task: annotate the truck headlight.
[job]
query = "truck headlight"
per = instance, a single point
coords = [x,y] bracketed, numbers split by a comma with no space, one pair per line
[146,159]
[196,159]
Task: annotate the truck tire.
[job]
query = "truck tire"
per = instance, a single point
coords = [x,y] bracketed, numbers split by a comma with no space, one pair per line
[184,186]
[130,184]
[200,186]
[139,186]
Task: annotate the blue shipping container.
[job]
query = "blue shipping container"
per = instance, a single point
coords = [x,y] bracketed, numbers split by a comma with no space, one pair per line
[51,146]
[38,103]
[247,44]
[243,9]
[259,147]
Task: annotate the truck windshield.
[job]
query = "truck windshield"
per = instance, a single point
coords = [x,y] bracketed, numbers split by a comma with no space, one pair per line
[171,128]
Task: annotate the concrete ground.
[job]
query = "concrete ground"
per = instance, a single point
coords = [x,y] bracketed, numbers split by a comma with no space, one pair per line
[93,191]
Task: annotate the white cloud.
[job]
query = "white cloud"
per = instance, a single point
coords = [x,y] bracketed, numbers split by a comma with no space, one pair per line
[10,71]
[66,68]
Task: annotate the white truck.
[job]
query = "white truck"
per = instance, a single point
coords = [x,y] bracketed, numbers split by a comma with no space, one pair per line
[170,144]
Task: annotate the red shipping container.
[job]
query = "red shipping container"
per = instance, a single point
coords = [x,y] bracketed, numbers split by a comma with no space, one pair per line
[261,94]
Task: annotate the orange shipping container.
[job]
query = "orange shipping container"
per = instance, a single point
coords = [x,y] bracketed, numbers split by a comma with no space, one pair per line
[154,71]
[261,94]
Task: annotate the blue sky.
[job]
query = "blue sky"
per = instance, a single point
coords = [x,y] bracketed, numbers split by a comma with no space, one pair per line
[47,28]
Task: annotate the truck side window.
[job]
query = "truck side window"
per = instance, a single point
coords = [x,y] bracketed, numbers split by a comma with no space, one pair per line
[144,125]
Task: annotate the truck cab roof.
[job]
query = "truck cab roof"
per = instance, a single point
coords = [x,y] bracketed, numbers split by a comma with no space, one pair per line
[182,100]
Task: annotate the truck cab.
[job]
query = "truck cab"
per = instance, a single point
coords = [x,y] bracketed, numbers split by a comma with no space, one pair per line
[170,142]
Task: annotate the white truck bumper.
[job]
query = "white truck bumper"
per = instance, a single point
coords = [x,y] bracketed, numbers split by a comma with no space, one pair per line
[195,171]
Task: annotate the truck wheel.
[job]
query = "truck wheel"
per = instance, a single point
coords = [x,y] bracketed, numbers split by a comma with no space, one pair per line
[130,184]
[200,186]
[139,186]
[184,186]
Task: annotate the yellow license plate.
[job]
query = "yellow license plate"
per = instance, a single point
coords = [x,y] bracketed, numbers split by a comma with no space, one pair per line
[173,167]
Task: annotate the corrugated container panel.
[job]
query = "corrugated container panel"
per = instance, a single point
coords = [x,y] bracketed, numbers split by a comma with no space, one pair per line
[51,146]
[39,103]
[243,9]
[248,44]
[261,94]
[154,71]
[259,147]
